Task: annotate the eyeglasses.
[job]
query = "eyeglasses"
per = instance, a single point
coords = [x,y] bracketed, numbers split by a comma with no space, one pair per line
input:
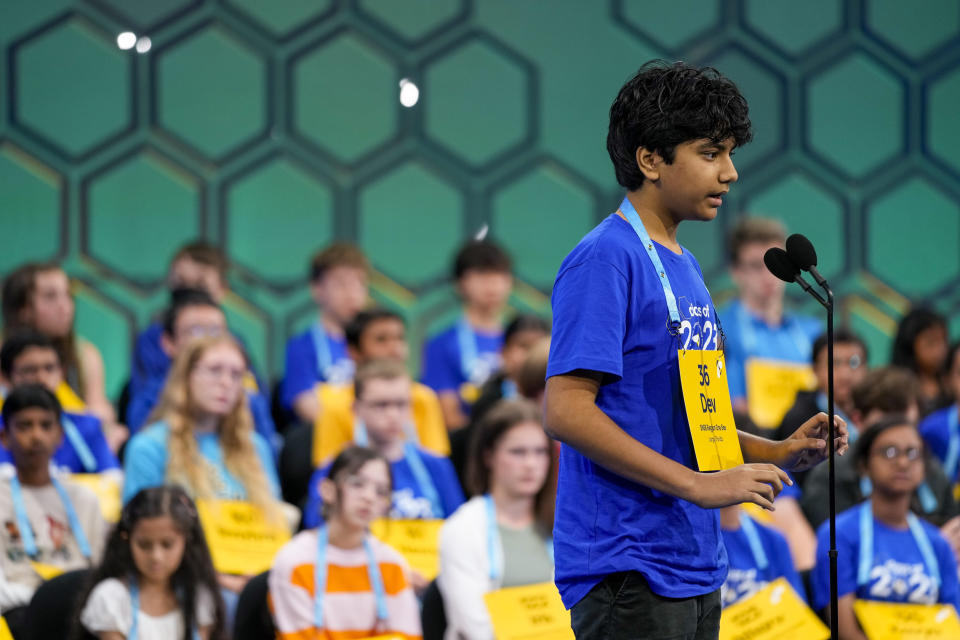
[892,453]
[200,331]
[383,405]
[854,362]
[217,371]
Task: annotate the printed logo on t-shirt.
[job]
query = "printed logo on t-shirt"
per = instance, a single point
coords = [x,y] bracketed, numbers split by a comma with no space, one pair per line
[341,371]
[58,532]
[902,582]
[698,328]
[740,584]
[406,505]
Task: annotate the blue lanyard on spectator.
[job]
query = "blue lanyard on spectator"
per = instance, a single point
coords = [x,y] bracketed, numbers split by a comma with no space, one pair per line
[23,523]
[508,389]
[866,546]
[320,579]
[928,501]
[420,474]
[494,548]
[634,219]
[321,345]
[469,353]
[753,539]
[79,445]
[852,432]
[953,443]
[748,335]
[135,605]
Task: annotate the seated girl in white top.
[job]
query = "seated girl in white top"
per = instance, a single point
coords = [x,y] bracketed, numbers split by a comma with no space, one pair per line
[501,537]
[156,581]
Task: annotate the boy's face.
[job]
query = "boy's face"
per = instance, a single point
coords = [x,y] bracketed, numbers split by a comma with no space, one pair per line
[384,338]
[341,292]
[485,290]
[32,437]
[849,369]
[37,365]
[752,277]
[194,322]
[189,274]
[693,185]
[515,351]
[385,408]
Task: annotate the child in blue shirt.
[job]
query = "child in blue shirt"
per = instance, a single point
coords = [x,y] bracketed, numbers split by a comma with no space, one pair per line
[339,286]
[634,517]
[941,429]
[884,551]
[424,485]
[457,361]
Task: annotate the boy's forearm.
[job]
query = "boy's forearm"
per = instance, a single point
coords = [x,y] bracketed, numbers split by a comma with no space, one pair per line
[757,448]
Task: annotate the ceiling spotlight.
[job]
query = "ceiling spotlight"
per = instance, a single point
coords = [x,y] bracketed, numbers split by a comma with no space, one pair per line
[126,40]
[409,93]
[144,44]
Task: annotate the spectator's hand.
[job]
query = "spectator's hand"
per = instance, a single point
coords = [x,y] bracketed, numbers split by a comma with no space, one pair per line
[756,483]
[807,447]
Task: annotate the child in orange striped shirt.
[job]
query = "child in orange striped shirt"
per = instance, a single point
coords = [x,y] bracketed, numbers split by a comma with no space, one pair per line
[363,585]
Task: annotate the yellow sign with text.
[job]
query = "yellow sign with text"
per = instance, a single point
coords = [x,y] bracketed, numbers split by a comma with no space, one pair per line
[775,612]
[897,621]
[418,541]
[531,612]
[242,539]
[5,630]
[772,387]
[703,377]
[107,490]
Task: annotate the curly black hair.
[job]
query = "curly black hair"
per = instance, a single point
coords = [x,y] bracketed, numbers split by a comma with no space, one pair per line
[664,105]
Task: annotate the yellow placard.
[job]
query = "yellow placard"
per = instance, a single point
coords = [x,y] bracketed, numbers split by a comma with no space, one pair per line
[531,612]
[775,612]
[107,490]
[897,621]
[242,540]
[703,377]
[418,541]
[45,571]
[772,387]
[5,630]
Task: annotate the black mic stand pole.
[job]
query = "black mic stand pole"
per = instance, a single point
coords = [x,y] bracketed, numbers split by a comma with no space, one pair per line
[834,620]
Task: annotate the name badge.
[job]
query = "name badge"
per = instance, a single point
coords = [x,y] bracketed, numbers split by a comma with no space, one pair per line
[242,540]
[772,386]
[891,620]
[706,396]
[418,541]
[775,612]
[530,612]
[107,490]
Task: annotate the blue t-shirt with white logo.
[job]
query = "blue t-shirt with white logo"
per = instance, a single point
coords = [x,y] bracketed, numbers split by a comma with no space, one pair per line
[897,571]
[610,316]
[302,370]
[746,576]
[445,369]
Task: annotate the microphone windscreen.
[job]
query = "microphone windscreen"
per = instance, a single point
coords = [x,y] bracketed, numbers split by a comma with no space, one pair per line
[780,265]
[801,251]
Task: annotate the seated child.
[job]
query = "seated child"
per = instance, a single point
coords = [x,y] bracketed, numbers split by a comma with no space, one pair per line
[338,581]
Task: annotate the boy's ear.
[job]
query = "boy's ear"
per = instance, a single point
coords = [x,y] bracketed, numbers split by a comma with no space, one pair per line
[649,163]
[328,492]
[166,343]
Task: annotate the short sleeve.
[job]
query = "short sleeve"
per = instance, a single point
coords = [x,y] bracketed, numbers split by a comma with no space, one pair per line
[144,464]
[441,368]
[108,608]
[589,319]
[300,373]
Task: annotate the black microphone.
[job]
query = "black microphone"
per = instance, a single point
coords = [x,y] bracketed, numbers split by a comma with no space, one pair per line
[801,253]
[780,265]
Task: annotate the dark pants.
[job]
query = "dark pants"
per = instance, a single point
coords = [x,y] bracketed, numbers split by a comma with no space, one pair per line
[622,607]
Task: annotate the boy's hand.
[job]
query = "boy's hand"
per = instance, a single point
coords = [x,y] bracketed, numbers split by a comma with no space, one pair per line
[807,447]
[756,483]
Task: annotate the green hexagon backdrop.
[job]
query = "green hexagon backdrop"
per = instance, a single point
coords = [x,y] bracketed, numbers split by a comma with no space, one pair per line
[274,128]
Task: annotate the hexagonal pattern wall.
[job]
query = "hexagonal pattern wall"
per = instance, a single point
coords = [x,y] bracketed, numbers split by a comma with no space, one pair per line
[273,132]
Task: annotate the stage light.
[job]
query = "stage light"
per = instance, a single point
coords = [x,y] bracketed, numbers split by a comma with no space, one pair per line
[126,40]
[409,93]
[144,44]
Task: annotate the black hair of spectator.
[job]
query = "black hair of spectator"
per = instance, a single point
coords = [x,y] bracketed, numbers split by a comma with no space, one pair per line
[356,327]
[843,335]
[180,299]
[481,255]
[664,105]
[348,462]
[19,342]
[525,322]
[29,396]
[917,320]
[872,432]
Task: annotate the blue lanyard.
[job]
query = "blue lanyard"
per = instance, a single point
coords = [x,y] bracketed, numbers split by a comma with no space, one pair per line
[23,523]
[79,445]
[866,546]
[953,446]
[494,548]
[753,539]
[321,345]
[135,605]
[469,353]
[852,432]
[508,389]
[634,219]
[320,579]
[748,335]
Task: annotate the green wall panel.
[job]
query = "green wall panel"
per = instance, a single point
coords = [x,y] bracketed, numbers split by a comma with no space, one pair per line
[274,128]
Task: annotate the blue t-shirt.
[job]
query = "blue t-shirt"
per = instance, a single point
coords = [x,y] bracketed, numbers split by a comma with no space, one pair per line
[66,456]
[150,361]
[746,576]
[303,370]
[145,463]
[749,336]
[935,430]
[897,573]
[445,368]
[610,316]
[408,501]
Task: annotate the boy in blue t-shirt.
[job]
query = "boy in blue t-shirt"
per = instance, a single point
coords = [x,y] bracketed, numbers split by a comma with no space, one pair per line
[457,361]
[637,537]
[339,277]
[425,485]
